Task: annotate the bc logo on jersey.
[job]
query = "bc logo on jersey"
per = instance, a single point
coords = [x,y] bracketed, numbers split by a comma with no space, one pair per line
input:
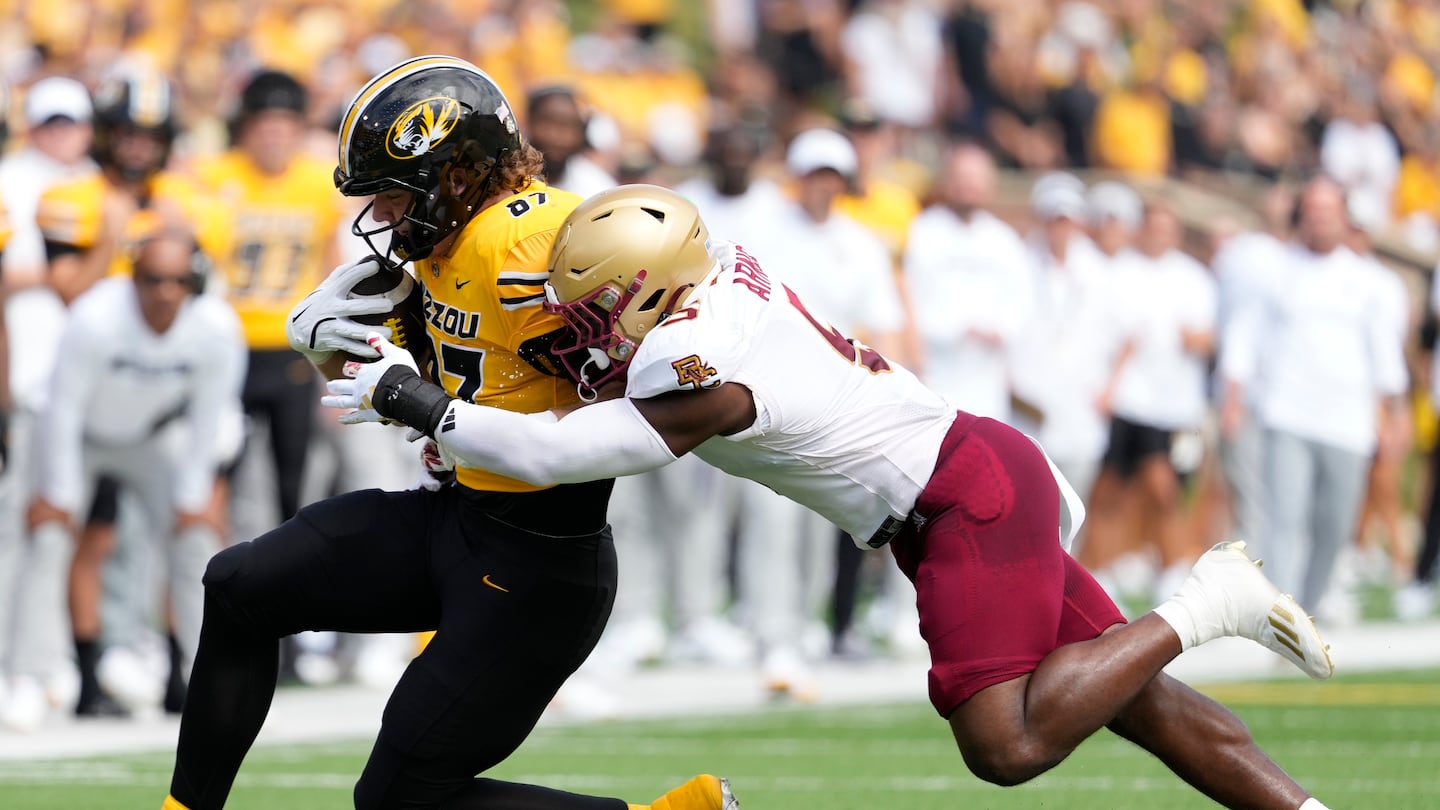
[422,127]
[694,372]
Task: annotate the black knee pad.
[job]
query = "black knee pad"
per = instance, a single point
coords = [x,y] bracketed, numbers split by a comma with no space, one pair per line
[225,565]
[229,591]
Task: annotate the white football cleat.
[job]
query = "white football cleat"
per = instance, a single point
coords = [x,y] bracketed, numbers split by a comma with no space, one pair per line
[727,796]
[1244,602]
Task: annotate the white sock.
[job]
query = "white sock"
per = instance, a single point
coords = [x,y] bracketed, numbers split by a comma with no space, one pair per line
[1178,616]
[1313,803]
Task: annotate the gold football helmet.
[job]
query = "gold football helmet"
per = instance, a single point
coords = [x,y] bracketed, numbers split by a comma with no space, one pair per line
[622,263]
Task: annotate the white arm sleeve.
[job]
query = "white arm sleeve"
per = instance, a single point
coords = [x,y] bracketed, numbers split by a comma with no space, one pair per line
[603,440]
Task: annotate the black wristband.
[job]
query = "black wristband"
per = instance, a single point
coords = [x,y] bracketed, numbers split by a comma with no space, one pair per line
[403,397]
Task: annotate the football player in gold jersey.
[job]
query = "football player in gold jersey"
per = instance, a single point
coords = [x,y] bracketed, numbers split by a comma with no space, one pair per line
[282,215]
[517,580]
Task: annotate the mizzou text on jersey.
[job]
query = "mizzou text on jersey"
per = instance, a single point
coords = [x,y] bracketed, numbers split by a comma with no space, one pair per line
[477,333]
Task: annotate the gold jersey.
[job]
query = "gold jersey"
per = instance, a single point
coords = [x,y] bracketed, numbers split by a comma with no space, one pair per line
[483,299]
[280,229]
[886,210]
[71,215]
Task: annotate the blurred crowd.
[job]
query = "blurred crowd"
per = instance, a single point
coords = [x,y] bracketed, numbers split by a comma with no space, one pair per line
[1266,88]
[1255,382]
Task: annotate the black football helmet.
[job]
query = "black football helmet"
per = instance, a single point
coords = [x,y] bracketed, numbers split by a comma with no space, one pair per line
[128,102]
[413,127]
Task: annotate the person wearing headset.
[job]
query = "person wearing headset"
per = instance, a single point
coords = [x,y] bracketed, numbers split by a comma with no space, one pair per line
[149,370]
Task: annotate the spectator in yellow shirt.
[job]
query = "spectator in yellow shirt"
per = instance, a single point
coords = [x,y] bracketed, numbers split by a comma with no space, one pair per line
[1132,129]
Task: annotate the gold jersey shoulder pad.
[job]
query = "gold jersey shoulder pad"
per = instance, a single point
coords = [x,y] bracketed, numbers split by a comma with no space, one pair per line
[534,210]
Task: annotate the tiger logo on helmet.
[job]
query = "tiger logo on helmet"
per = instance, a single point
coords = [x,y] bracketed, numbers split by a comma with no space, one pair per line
[420,126]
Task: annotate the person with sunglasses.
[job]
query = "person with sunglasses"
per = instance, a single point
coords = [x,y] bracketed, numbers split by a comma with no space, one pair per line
[148,370]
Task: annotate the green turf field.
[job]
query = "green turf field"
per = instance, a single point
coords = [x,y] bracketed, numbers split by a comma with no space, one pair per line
[1371,741]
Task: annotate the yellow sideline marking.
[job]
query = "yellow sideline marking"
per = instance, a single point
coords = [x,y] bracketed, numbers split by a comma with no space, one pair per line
[1301,693]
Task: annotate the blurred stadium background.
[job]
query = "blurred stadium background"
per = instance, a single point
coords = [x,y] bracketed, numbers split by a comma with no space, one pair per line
[1204,107]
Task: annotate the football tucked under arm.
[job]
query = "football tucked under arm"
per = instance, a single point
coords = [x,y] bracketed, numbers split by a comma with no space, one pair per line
[329,325]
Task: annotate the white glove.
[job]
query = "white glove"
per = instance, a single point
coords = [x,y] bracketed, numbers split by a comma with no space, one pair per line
[437,467]
[358,390]
[321,323]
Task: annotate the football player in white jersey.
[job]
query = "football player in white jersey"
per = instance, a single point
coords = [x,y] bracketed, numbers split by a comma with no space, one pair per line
[1029,657]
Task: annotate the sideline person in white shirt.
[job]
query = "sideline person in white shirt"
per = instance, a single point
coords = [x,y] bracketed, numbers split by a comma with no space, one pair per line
[1064,358]
[57,113]
[1386,555]
[1325,359]
[1246,270]
[1159,400]
[971,286]
[843,273]
[1359,151]
[1114,212]
[151,369]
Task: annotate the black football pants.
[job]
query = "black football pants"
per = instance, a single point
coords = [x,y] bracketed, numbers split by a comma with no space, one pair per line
[516,612]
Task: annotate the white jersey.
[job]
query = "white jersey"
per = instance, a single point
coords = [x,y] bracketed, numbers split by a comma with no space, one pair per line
[837,428]
[118,382]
